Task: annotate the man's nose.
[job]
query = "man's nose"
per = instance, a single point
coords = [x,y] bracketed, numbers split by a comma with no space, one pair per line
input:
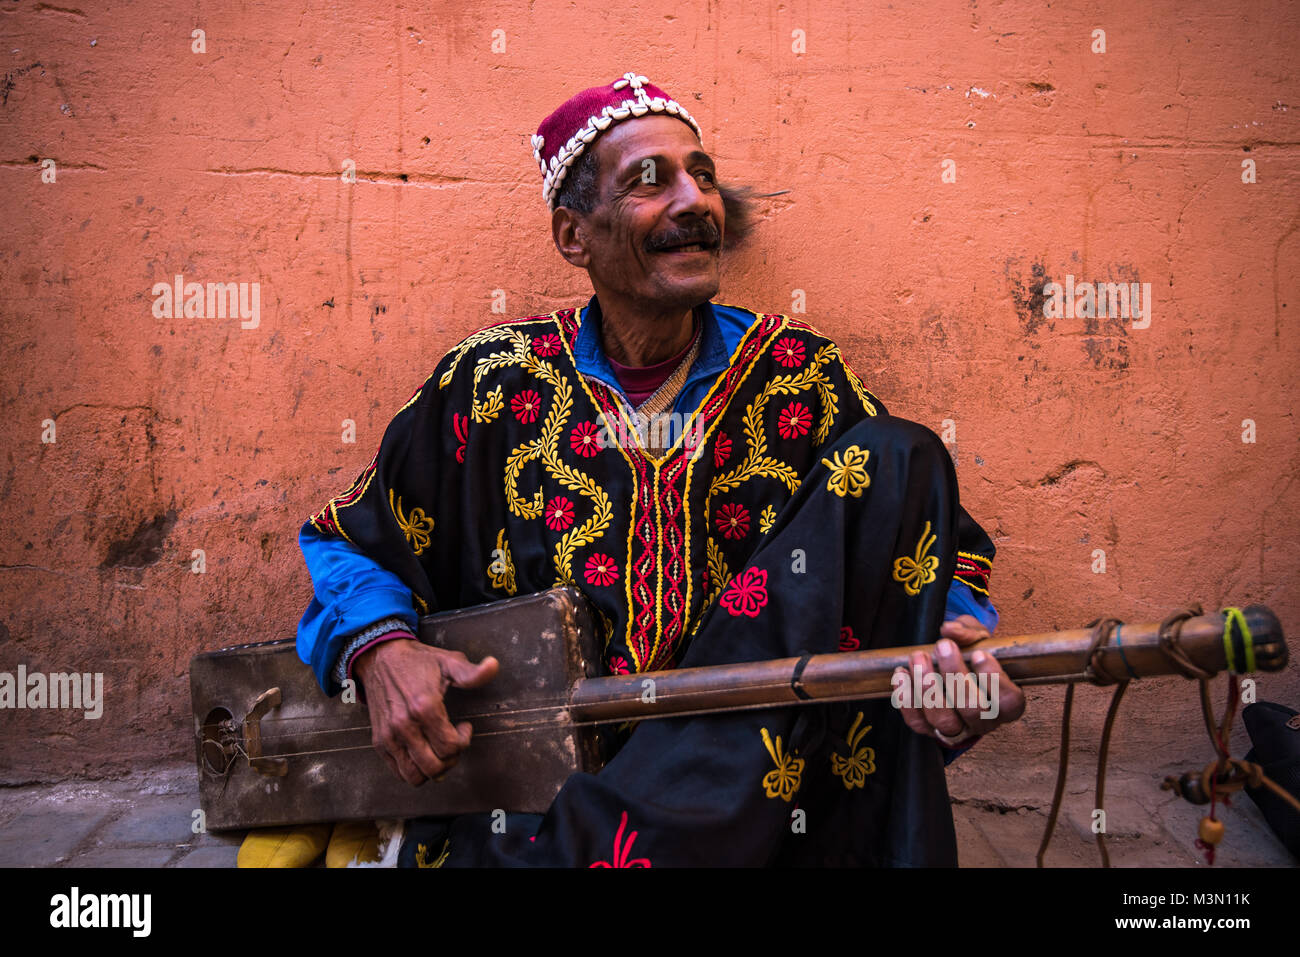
[687,197]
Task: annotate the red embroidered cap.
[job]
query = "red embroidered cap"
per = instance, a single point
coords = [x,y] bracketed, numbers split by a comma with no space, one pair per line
[563,135]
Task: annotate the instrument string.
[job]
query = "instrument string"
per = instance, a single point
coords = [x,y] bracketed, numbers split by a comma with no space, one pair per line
[559,708]
[794,702]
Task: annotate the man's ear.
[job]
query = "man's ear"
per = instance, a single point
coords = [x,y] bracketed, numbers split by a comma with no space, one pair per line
[570,237]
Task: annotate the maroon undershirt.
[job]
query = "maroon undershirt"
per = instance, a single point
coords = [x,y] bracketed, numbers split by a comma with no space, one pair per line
[641,382]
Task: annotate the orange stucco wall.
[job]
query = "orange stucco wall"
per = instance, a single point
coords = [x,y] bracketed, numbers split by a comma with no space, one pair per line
[1070,435]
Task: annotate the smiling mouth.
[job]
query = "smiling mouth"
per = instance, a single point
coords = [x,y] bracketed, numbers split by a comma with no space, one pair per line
[691,248]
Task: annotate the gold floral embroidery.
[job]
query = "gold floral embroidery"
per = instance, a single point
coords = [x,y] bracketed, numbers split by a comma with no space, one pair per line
[864,396]
[416,526]
[758,462]
[784,781]
[854,770]
[917,571]
[719,577]
[848,475]
[766,519]
[545,446]
[422,855]
[502,569]
[489,408]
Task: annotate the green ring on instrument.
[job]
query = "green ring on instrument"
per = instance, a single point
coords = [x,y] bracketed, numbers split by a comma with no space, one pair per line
[1231,615]
[1120,648]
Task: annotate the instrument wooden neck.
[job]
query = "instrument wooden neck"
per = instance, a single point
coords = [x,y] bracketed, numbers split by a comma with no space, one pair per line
[1134,651]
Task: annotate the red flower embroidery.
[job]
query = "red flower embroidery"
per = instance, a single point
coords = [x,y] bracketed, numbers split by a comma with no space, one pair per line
[460,425]
[583,439]
[621,850]
[601,570]
[547,345]
[618,665]
[847,641]
[733,520]
[788,352]
[526,405]
[794,420]
[747,593]
[559,513]
[721,449]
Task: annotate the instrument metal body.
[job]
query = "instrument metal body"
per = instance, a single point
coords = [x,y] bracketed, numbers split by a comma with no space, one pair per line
[273,749]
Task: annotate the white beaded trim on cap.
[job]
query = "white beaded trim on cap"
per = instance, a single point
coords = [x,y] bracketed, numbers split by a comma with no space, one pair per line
[553,177]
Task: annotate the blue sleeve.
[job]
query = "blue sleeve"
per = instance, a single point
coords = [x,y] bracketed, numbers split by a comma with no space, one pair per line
[352,592]
[963,600]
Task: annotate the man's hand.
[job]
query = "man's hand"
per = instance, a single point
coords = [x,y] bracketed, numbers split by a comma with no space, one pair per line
[405,681]
[951,725]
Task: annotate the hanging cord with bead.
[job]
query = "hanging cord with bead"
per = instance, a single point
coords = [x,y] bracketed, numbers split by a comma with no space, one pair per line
[1221,775]
[1225,774]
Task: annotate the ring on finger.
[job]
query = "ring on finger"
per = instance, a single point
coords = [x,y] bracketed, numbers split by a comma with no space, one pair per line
[956,739]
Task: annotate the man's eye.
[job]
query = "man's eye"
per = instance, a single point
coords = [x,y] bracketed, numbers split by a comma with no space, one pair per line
[709,178]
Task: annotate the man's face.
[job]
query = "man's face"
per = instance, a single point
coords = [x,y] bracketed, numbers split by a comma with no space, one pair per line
[656,234]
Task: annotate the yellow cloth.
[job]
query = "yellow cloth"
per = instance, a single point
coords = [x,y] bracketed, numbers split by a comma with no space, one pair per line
[284,846]
[353,841]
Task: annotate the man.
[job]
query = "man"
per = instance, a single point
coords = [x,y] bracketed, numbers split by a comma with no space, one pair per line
[721,487]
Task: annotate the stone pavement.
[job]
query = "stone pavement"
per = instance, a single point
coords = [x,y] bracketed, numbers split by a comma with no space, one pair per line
[1145,826]
[146,820]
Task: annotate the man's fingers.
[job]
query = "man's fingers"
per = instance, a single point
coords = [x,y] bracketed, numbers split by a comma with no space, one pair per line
[901,680]
[390,761]
[412,730]
[966,700]
[945,719]
[934,709]
[964,629]
[1010,699]
[405,767]
[437,730]
[944,698]
[463,674]
[423,756]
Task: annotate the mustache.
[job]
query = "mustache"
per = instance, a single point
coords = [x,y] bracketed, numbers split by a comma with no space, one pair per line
[704,232]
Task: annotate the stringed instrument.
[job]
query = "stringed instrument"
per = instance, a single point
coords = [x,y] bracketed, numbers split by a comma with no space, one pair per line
[273,749]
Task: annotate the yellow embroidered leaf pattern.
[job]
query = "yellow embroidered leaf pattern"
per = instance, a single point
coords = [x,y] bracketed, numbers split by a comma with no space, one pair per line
[416,526]
[784,781]
[917,570]
[490,407]
[546,446]
[757,462]
[502,569]
[470,343]
[848,474]
[863,395]
[422,855]
[515,462]
[854,769]
[719,577]
[766,519]
[574,479]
